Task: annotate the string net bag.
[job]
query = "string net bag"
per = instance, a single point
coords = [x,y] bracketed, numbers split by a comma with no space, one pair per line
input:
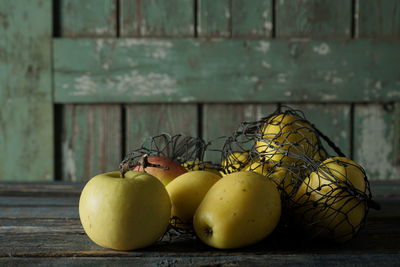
[187,151]
[327,196]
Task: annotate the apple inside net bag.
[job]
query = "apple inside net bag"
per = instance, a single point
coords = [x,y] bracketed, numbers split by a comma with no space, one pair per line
[327,195]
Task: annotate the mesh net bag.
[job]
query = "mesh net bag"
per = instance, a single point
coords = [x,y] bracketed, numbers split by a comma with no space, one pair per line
[326,196]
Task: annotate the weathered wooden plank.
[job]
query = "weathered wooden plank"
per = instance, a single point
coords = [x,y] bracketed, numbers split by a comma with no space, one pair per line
[91,134]
[251,20]
[39,212]
[225,70]
[221,120]
[371,259]
[145,121]
[90,18]
[91,141]
[58,189]
[72,241]
[333,120]
[376,139]
[26,117]
[18,201]
[154,18]
[29,226]
[241,20]
[214,18]
[313,18]
[377,18]
[386,188]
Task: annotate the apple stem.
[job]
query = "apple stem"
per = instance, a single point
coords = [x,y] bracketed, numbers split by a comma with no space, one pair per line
[143,162]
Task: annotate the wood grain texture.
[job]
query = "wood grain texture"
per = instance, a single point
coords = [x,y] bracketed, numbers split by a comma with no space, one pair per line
[46,234]
[241,20]
[221,120]
[377,18]
[45,189]
[166,19]
[313,18]
[26,117]
[214,18]
[376,139]
[101,70]
[89,18]
[144,121]
[250,20]
[23,234]
[91,134]
[333,120]
[20,201]
[91,141]
[377,126]
[155,18]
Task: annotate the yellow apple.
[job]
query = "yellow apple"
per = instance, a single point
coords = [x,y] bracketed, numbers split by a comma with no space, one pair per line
[201,166]
[124,213]
[284,137]
[186,193]
[326,199]
[235,162]
[240,209]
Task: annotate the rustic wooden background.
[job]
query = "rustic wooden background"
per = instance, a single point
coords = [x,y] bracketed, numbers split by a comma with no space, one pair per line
[82,82]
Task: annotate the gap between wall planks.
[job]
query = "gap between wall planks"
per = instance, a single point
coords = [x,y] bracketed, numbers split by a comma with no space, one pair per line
[26,116]
[92,133]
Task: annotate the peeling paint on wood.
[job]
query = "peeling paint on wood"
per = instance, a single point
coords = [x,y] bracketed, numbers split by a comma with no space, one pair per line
[216,71]
[161,19]
[376,138]
[91,141]
[26,117]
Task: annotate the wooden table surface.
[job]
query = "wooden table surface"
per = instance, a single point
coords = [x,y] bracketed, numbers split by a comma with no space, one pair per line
[39,224]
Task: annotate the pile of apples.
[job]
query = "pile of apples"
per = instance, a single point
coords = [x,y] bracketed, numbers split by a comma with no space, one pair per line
[235,206]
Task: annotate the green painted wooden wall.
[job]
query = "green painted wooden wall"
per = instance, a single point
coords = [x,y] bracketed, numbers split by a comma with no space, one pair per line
[83,82]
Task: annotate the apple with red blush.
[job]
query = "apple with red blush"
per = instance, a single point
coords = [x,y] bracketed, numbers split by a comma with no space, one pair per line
[162,168]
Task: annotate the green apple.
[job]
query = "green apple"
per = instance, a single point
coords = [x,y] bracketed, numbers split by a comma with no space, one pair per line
[167,171]
[240,209]
[284,135]
[124,213]
[325,200]
[186,193]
